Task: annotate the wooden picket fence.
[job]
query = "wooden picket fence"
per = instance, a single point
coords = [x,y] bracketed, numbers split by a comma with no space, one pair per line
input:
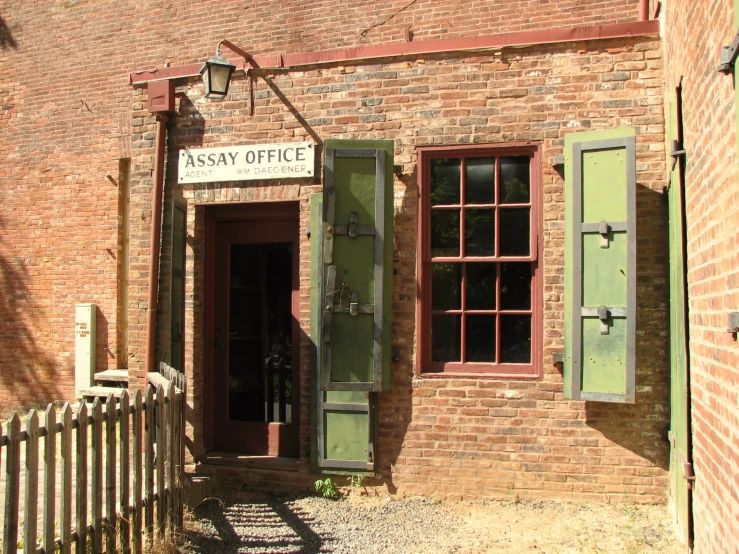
[117,489]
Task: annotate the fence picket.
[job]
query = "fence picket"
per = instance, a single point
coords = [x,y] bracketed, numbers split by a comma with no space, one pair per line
[124,472]
[149,463]
[96,489]
[171,455]
[82,424]
[49,479]
[102,517]
[30,508]
[137,482]
[12,485]
[110,467]
[161,457]
[65,509]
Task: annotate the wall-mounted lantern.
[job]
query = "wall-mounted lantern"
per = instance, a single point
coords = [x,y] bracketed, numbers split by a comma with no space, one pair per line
[216,72]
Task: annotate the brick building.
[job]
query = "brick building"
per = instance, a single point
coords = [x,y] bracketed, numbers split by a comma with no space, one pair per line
[442,148]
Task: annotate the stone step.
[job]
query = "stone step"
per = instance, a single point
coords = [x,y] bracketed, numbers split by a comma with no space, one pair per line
[116,375]
[101,392]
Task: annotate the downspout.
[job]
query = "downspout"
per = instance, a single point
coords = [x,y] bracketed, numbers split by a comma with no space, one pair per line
[643,10]
[154,238]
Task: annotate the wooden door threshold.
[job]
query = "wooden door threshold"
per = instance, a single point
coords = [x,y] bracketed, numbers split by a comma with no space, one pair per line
[253,462]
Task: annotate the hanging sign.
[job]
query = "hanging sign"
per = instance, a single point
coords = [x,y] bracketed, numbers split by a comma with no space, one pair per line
[244,163]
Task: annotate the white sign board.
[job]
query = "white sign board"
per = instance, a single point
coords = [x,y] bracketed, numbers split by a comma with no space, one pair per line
[243,163]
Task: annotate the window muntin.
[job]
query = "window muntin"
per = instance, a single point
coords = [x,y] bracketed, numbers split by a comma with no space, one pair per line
[479,230]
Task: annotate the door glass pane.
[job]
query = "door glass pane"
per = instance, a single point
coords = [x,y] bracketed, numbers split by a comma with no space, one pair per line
[446,280]
[445,181]
[479,232]
[515,286]
[514,180]
[515,339]
[260,332]
[480,345]
[514,232]
[480,286]
[445,338]
[480,181]
[444,233]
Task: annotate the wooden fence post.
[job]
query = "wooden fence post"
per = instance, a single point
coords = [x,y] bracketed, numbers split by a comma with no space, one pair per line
[149,463]
[125,468]
[82,423]
[172,438]
[30,509]
[110,474]
[65,510]
[49,536]
[161,458]
[96,489]
[12,485]
[138,443]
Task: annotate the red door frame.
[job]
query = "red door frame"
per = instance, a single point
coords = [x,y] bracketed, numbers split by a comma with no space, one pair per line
[261,211]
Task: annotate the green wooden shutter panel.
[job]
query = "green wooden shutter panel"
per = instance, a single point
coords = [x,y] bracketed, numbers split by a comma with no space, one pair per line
[679,406]
[600,266]
[177,292]
[357,272]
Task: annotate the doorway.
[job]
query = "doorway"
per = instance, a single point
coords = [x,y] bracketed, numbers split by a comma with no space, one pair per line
[253,283]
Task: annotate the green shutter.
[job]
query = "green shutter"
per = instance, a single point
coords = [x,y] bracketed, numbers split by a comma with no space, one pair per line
[344,420]
[600,265]
[177,293]
[356,279]
[679,408]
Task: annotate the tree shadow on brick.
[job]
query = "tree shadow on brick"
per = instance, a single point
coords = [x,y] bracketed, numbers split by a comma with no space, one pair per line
[6,37]
[28,372]
[186,130]
[641,428]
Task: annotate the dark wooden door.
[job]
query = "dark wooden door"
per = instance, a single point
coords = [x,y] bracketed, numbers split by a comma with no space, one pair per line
[255,337]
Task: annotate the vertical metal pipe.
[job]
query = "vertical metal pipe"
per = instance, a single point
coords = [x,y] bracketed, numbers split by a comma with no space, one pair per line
[643,10]
[155,236]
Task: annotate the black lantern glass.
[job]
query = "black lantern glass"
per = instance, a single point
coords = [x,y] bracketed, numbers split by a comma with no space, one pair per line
[216,74]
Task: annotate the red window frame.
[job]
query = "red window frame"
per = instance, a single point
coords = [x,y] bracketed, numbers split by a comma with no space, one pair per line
[424,364]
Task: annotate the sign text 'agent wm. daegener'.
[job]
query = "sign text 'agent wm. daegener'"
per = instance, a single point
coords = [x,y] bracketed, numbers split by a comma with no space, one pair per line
[242,163]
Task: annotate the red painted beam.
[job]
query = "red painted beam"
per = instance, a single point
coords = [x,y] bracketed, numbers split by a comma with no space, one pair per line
[488,42]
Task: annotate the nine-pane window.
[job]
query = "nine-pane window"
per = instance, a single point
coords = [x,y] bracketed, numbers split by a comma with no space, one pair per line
[479,229]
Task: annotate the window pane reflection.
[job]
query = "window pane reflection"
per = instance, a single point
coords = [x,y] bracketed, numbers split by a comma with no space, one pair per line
[445,338]
[444,233]
[480,345]
[480,181]
[514,179]
[446,283]
[515,339]
[445,182]
[514,232]
[479,232]
[480,286]
[515,286]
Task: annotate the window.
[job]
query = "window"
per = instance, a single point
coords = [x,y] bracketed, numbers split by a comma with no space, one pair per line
[479,228]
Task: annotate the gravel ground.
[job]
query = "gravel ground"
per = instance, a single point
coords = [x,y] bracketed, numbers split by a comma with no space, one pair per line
[361,524]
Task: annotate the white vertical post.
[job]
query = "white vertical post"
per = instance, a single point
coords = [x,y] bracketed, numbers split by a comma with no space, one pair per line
[84,346]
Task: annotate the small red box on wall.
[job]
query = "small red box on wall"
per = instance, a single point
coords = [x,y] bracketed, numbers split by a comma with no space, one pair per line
[161,96]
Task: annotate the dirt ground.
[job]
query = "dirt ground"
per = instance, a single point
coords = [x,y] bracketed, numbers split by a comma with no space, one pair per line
[362,524]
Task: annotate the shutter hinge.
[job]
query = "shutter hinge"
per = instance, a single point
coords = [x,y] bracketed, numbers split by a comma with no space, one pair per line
[688,474]
[676,151]
[728,56]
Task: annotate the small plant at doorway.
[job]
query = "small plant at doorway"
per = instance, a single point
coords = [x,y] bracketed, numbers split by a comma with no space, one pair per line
[327,488]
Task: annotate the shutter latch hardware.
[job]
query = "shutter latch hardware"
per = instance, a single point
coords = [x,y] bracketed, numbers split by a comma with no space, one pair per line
[352,229]
[728,56]
[688,474]
[603,315]
[677,151]
[353,304]
[603,230]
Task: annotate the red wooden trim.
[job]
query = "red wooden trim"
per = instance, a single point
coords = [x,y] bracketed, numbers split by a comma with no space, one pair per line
[486,42]
[424,366]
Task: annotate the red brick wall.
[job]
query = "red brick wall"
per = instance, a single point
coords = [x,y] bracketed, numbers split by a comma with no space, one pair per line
[65,119]
[65,127]
[694,35]
[458,437]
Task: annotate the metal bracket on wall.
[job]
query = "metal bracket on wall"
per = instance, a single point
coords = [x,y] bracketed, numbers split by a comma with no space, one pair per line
[728,56]
[733,324]
[676,151]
